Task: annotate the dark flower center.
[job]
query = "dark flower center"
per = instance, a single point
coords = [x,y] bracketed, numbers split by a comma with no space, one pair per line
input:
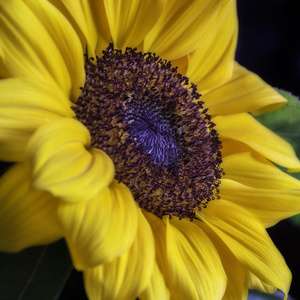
[149,120]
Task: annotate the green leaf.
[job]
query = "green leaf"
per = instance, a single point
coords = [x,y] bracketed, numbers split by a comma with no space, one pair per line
[296,219]
[35,273]
[286,123]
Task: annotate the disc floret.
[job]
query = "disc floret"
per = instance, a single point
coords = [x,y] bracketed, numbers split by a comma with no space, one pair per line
[149,120]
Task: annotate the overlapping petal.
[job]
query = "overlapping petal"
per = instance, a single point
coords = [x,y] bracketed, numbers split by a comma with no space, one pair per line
[127,275]
[256,284]
[46,49]
[244,128]
[182,27]
[254,170]
[243,92]
[156,288]
[102,27]
[181,64]
[230,147]
[256,184]
[21,114]
[237,285]
[101,229]
[189,261]
[270,206]
[3,71]
[211,63]
[247,239]
[27,216]
[130,21]
[80,14]
[64,163]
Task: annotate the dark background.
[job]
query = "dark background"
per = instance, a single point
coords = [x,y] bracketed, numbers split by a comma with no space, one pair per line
[269,33]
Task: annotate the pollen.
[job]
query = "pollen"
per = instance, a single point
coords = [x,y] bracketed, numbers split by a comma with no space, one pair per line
[149,119]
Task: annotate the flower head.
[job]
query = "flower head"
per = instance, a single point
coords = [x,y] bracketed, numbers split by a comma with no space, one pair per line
[128,123]
[141,113]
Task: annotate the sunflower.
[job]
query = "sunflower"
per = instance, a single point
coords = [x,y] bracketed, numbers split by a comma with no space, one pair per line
[129,126]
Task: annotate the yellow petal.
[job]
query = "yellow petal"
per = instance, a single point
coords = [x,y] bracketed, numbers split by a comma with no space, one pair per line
[159,233]
[247,239]
[189,261]
[244,128]
[254,170]
[64,164]
[102,28]
[66,40]
[3,71]
[130,21]
[127,275]
[80,14]
[182,27]
[156,288]
[237,287]
[231,147]
[194,264]
[256,284]
[47,48]
[270,206]
[25,105]
[101,229]
[244,92]
[211,63]
[181,64]
[27,216]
